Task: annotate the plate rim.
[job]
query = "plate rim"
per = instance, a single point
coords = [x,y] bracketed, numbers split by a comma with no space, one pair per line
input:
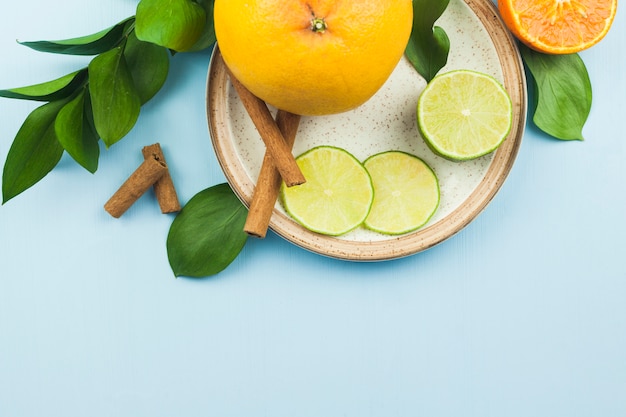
[514,79]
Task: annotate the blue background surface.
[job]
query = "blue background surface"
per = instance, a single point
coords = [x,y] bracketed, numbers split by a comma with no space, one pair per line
[522,313]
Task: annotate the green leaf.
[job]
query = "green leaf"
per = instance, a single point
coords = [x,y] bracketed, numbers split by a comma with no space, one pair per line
[34,153]
[174,24]
[149,65]
[207,38]
[51,90]
[89,123]
[75,133]
[86,45]
[116,103]
[207,235]
[428,45]
[563,93]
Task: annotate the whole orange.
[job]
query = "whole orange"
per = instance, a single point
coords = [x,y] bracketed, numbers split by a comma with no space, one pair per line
[313,57]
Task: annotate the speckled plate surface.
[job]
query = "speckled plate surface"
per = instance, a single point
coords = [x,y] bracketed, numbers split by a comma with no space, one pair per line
[479,41]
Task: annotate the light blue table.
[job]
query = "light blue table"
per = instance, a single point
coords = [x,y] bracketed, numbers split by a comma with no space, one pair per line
[522,313]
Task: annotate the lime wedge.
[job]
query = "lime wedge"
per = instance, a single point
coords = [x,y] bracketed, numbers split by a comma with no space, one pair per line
[337,194]
[464,114]
[406,192]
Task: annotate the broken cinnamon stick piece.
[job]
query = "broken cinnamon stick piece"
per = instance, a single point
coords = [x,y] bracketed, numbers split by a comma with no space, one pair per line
[271,135]
[135,186]
[164,187]
[269,181]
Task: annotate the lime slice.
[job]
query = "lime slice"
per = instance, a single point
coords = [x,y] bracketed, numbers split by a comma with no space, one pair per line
[464,114]
[337,194]
[406,192]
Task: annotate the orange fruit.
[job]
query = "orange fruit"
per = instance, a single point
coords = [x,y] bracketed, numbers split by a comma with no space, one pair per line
[313,57]
[558,26]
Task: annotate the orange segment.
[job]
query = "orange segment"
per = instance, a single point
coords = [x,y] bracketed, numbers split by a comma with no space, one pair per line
[558,26]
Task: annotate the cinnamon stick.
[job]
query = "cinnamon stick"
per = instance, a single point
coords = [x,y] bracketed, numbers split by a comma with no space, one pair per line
[164,187]
[271,135]
[269,181]
[135,186]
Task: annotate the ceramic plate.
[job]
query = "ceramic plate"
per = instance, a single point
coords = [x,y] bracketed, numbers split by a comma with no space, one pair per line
[479,41]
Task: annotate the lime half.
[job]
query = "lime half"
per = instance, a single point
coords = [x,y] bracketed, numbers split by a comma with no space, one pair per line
[406,192]
[337,194]
[464,114]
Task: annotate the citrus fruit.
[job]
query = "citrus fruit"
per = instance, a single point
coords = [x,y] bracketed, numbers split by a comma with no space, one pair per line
[406,192]
[464,114]
[558,26]
[337,195]
[313,57]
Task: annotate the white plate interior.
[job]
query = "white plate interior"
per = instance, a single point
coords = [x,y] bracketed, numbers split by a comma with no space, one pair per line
[386,122]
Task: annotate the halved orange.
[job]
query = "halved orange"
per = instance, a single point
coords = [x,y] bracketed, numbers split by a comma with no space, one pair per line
[558,26]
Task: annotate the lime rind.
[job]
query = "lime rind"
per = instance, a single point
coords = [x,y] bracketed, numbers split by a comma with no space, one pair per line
[337,196]
[407,193]
[447,100]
